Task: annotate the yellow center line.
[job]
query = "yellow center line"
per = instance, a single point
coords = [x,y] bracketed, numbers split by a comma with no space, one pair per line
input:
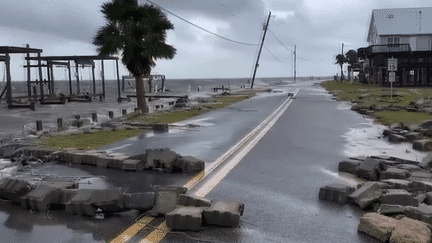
[132,230]
[157,235]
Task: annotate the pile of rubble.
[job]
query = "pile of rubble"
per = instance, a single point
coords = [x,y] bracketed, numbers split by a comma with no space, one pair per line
[419,135]
[180,210]
[153,159]
[398,195]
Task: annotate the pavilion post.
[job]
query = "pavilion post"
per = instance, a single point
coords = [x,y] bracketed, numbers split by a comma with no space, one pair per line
[40,78]
[70,77]
[77,77]
[9,81]
[94,79]
[103,78]
[118,81]
[28,73]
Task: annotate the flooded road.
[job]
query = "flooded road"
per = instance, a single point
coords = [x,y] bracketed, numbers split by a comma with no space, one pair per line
[278,180]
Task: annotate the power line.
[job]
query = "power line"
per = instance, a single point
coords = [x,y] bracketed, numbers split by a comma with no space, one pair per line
[187,21]
[280,41]
[272,54]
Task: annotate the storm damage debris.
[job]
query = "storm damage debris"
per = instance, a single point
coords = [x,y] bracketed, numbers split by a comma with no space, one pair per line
[419,135]
[397,197]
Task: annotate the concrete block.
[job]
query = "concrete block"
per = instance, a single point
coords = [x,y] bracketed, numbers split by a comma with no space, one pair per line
[224,213]
[409,167]
[39,199]
[103,161]
[140,201]
[389,209]
[426,162]
[165,202]
[377,225]
[413,136]
[428,199]
[335,192]
[191,165]
[410,230]
[399,197]
[185,200]
[420,175]
[393,173]
[185,218]
[423,145]
[421,198]
[152,157]
[166,160]
[14,189]
[397,183]
[81,203]
[422,213]
[348,166]
[132,164]
[395,138]
[61,184]
[419,184]
[90,158]
[177,189]
[370,169]
[77,158]
[367,194]
[109,200]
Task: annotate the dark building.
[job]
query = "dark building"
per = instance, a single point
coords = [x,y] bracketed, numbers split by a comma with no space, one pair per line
[404,34]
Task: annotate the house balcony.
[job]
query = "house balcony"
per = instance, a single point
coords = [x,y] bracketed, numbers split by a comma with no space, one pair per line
[386,50]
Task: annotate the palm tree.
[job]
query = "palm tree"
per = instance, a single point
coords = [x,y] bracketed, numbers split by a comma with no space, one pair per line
[139,33]
[352,60]
[340,59]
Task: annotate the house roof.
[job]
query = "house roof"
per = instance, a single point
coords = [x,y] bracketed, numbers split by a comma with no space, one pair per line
[401,21]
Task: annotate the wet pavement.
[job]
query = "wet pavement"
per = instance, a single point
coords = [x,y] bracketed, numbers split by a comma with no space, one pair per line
[278,180]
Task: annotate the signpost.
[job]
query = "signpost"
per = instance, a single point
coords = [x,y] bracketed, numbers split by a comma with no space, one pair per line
[392,69]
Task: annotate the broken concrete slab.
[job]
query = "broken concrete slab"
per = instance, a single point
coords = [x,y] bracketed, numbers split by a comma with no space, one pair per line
[165,202]
[409,167]
[185,218]
[109,200]
[394,173]
[77,158]
[422,213]
[14,189]
[190,164]
[410,230]
[426,162]
[370,169]
[166,160]
[389,209]
[224,213]
[103,161]
[421,184]
[39,199]
[116,161]
[397,183]
[61,197]
[420,175]
[396,138]
[81,203]
[377,225]
[366,195]
[140,201]
[186,200]
[335,192]
[61,184]
[399,197]
[423,145]
[132,165]
[348,166]
[428,199]
[151,158]
[413,136]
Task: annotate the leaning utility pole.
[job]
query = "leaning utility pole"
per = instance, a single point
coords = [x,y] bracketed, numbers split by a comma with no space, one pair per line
[259,53]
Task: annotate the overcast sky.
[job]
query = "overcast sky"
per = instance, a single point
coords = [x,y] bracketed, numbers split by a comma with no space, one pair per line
[317,27]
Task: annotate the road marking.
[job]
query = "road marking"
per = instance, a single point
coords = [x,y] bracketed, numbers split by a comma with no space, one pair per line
[242,147]
[132,230]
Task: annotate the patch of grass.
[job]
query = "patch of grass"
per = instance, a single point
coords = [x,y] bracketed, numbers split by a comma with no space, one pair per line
[407,118]
[216,102]
[90,141]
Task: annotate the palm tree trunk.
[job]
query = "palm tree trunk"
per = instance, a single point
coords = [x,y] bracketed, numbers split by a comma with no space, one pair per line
[140,94]
[341,73]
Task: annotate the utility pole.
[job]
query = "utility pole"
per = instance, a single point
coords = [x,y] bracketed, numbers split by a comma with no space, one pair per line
[259,53]
[295,60]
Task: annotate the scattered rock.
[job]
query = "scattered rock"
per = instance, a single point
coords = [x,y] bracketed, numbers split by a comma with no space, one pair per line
[336,192]
[348,166]
[370,169]
[367,194]
[393,173]
[185,218]
[399,197]
[423,145]
[224,213]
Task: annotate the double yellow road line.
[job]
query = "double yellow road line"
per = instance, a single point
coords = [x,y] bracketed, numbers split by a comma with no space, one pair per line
[221,167]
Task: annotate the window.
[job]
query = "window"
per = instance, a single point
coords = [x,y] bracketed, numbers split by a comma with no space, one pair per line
[393,40]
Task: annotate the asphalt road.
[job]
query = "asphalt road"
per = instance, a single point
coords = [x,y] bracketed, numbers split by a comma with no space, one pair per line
[280,178]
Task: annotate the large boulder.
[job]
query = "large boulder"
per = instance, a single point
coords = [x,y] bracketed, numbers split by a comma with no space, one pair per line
[377,225]
[410,230]
[367,194]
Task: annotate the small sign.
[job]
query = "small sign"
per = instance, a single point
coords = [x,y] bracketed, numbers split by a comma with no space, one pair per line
[392,64]
[392,74]
[392,79]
